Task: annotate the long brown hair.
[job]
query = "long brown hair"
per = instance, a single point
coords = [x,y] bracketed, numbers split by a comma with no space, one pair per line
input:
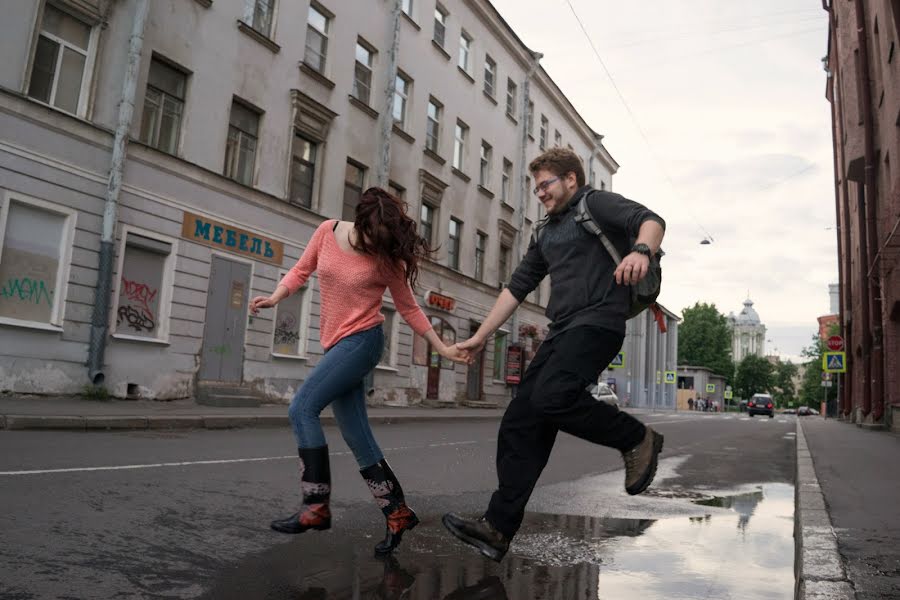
[385,231]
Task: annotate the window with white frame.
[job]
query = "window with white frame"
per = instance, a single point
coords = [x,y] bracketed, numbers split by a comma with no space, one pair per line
[142,306]
[440,25]
[545,131]
[303,170]
[426,223]
[317,29]
[61,70]
[433,125]
[362,74]
[240,149]
[397,190]
[490,76]
[465,51]
[407,7]
[460,136]
[484,172]
[261,16]
[511,95]
[388,357]
[289,330]
[505,195]
[503,263]
[480,249]
[402,88]
[35,250]
[163,107]
[354,180]
[557,139]
[453,243]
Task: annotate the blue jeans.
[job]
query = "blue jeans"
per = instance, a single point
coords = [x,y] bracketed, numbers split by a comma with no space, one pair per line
[338,380]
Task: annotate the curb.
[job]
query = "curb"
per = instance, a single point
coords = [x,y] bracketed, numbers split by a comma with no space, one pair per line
[108,423]
[818,567]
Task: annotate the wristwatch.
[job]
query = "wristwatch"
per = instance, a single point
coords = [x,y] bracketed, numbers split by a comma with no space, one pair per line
[642,249]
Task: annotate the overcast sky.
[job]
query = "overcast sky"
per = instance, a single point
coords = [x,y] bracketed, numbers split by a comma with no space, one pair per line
[731,98]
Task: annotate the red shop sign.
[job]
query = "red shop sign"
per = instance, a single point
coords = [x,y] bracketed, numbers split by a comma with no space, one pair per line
[514,364]
[435,300]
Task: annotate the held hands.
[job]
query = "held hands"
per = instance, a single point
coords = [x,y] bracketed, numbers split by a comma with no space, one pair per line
[261,302]
[455,354]
[470,348]
[632,269]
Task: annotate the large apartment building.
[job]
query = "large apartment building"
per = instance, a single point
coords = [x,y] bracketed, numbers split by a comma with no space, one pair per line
[253,121]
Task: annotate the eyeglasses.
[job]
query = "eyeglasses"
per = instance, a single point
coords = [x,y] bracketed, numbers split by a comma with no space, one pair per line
[542,186]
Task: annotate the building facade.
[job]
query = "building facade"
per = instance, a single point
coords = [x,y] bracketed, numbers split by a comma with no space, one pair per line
[863,88]
[748,334]
[254,121]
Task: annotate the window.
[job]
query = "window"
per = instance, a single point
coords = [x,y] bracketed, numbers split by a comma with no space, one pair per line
[303,170]
[425,355]
[61,67]
[505,183]
[397,190]
[388,358]
[465,50]
[503,264]
[490,76]
[602,185]
[362,75]
[426,223]
[453,245]
[500,342]
[440,25]
[433,125]
[459,144]
[484,173]
[240,149]
[402,86]
[142,305]
[291,323]
[354,179]
[557,139]
[530,118]
[545,128]
[163,107]
[407,7]
[317,26]
[511,93]
[35,249]
[261,17]
[480,247]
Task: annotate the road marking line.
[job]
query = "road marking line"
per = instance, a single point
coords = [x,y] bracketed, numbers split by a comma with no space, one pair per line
[199,462]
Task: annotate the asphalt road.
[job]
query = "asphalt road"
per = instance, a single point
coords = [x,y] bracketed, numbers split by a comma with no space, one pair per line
[185,514]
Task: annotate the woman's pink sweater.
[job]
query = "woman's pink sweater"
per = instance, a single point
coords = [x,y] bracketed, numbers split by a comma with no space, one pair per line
[351,287]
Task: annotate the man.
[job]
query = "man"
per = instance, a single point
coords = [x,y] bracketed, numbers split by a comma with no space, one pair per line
[588,307]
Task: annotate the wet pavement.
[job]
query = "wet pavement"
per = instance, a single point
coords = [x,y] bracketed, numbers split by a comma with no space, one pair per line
[736,546]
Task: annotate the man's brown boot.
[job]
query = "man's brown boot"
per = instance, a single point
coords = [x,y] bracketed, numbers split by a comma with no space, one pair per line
[479,533]
[640,462]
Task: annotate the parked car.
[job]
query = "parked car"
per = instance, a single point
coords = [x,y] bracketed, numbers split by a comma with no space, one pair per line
[789,411]
[761,404]
[601,391]
[805,411]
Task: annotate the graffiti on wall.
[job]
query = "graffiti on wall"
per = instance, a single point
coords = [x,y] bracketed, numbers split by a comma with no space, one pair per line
[27,285]
[25,289]
[135,308]
[286,330]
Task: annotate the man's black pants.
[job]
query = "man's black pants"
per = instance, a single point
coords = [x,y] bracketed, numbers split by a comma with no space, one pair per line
[553,397]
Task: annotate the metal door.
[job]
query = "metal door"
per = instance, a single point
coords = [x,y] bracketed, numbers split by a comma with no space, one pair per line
[222,355]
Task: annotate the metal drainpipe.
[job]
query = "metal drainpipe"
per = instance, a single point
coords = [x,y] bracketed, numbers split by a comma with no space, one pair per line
[383,172]
[875,361]
[100,318]
[523,187]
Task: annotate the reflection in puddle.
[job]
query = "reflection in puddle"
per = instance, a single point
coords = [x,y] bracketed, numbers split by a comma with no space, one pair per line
[745,554]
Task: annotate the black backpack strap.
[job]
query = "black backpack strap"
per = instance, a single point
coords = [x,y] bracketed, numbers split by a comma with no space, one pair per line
[584,216]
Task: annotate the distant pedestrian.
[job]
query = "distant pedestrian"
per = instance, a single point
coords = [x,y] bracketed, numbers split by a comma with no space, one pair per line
[690,404]
[356,263]
[590,299]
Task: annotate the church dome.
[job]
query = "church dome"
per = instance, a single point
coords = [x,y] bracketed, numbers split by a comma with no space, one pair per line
[747,316]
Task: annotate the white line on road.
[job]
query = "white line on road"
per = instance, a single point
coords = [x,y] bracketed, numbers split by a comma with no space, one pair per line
[202,462]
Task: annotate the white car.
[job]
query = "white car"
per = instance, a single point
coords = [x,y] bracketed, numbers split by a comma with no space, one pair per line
[601,391]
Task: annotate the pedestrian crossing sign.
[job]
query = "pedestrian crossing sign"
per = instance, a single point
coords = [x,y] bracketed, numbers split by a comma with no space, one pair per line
[729,394]
[618,362]
[710,388]
[670,376]
[834,362]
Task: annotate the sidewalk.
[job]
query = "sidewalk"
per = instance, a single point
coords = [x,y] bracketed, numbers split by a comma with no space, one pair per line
[847,525]
[76,413]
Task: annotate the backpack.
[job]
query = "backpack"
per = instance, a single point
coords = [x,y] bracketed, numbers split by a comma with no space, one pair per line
[646,291]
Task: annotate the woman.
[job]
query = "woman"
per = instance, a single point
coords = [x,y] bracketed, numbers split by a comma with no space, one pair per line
[356,262]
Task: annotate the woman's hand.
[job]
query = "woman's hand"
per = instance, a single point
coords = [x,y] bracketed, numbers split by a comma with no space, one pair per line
[261,302]
[455,353]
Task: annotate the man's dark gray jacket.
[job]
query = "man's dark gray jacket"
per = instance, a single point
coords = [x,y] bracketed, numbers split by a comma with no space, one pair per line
[583,290]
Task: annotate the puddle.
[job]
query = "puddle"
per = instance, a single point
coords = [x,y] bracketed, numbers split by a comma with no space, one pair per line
[735,546]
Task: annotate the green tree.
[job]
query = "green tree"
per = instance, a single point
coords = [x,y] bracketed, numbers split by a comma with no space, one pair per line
[754,375]
[782,382]
[811,390]
[704,340]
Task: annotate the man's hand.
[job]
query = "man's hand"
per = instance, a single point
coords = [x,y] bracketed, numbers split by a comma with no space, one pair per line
[632,269]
